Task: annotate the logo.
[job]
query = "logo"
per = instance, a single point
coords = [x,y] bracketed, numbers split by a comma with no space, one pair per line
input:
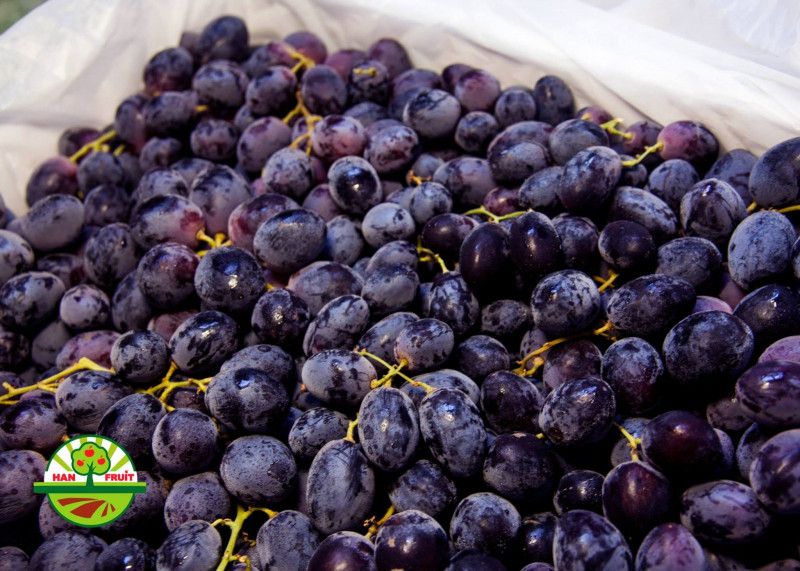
[90,481]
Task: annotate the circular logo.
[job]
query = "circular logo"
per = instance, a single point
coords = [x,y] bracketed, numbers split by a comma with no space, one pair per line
[90,481]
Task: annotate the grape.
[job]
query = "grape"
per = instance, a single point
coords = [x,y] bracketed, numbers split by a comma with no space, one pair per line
[670,546]
[712,209]
[536,537]
[515,104]
[170,114]
[67,551]
[579,412]
[485,521]
[247,400]
[397,252]
[165,275]
[84,307]
[246,218]
[571,360]
[772,312]
[633,368]
[288,528]
[513,163]
[354,185]
[159,152]
[379,339]
[388,428]
[554,100]
[33,425]
[323,90]
[772,180]
[269,359]
[343,550]
[129,308]
[540,190]
[723,512]
[53,222]
[140,357]
[166,218]
[12,558]
[671,180]
[390,288]
[432,113]
[313,429]
[229,278]
[16,255]
[579,490]
[760,248]
[368,80]
[520,467]
[85,396]
[636,498]
[54,176]
[242,470]
[784,350]
[94,345]
[589,179]
[708,350]
[192,545]
[644,208]
[337,136]
[341,487]
[506,320]
[266,56]
[320,201]
[475,130]
[338,377]
[524,132]
[453,430]
[682,445]
[321,282]
[203,341]
[338,325]
[690,141]
[442,379]
[773,473]
[480,355]
[126,553]
[343,239]
[649,305]
[565,302]
[695,260]
[260,140]
[585,540]
[344,60]
[726,413]
[768,394]
[214,140]
[501,201]
[388,222]
[578,237]
[272,92]
[101,168]
[185,441]
[19,469]
[424,344]
[69,268]
[749,444]
[483,258]
[474,560]
[574,135]
[429,199]
[168,70]
[534,245]
[411,539]
[415,79]
[110,254]
[453,303]
[131,422]
[217,191]
[280,316]
[626,246]
[198,497]
[468,179]
[221,85]
[106,204]
[510,402]
[423,487]
[367,113]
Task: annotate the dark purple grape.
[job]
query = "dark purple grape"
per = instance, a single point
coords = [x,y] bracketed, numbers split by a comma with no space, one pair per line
[589,179]
[690,141]
[344,60]
[479,356]
[30,299]
[242,470]
[129,308]
[578,237]
[469,179]
[343,550]
[337,136]
[734,167]
[354,185]
[54,176]
[224,38]
[321,282]
[670,546]
[260,140]
[68,550]
[338,325]
[165,275]
[579,490]
[510,402]
[341,487]
[484,258]
[106,204]
[554,100]
[475,131]
[774,473]
[429,199]
[579,412]
[772,312]
[214,140]
[723,512]
[308,45]
[432,113]
[53,222]
[442,379]
[131,422]
[127,552]
[368,80]
[784,350]
[424,344]
[32,425]
[338,377]
[390,53]
[159,152]
[572,136]
[69,268]
[571,360]
[168,70]
[453,430]
[185,441]
[272,92]
[99,168]
[390,288]
[671,180]
[411,540]
[506,320]
[290,172]
[712,209]
[94,345]
[415,79]
[695,260]
[203,341]
[367,113]
[198,497]
[229,279]
[769,394]
[313,429]
[245,219]
[280,316]
[397,252]
[477,90]
[386,223]
[453,303]
[192,545]
[708,350]
[84,307]
[19,469]
[759,249]
[540,190]
[16,255]
[130,123]
[626,246]
[633,368]
[221,85]
[515,104]
[565,302]
[649,305]
[586,540]
[388,428]
[487,522]
[288,528]
[247,400]
[773,182]
[166,218]
[501,201]
[682,445]
[161,181]
[217,191]
[170,114]
[534,245]
[84,397]
[520,467]
[644,208]
[423,487]
[636,498]
[323,90]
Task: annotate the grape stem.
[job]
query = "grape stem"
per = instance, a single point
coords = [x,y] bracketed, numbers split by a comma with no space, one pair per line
[494,217]
[427,255]
[370,71]
[387,378]
[302,61]
[235,525]
[50,384]
[612,276]
[611,127]
[351,429]
[602,330]
[217,241]
[95,145]
[167,385]
[417,180]
[633,442]
[795,208]
[374,526]
[396,368]
[640,157]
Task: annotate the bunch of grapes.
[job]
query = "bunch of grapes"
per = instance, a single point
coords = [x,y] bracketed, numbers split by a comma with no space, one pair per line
[345,313]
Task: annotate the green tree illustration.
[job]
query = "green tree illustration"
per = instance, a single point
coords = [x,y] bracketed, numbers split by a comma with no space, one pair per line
[88,460]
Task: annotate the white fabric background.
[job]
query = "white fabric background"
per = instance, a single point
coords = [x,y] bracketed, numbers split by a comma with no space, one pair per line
[734,64]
